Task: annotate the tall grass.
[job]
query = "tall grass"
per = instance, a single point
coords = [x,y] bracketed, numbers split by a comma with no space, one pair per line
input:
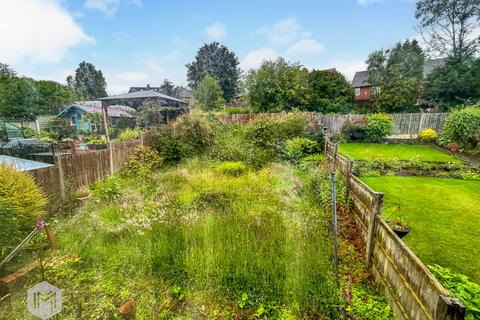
[193,240]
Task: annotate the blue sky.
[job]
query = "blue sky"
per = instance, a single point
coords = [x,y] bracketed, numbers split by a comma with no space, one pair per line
[135,42]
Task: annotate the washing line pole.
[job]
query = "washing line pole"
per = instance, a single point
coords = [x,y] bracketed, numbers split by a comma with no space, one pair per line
[334,224]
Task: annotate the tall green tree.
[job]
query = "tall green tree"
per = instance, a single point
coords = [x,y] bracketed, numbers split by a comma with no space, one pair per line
[168,88]
[219,62]
[329,91]
[53,96]
[88,82]
[456,82]
[18,95]
[396,76]
[277,86]
[209,95]
[448,26]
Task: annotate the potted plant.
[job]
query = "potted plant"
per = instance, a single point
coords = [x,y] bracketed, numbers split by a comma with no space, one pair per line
[400,228]
[397,224]
[83,194]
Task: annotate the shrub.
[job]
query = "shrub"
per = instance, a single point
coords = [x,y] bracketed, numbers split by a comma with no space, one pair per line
[232,168]
[428,135]
[379,126]
[129,134]
[186,137]
[21,202]
[298,148]
[460,287]
[463,128]
[355,130]
[107,189]
[19,192]
[311,162]
[142,162]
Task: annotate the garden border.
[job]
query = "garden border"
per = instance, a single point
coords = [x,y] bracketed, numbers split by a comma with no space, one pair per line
[410,288]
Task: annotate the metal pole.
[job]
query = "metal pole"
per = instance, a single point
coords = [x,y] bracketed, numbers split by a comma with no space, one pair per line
[334,224]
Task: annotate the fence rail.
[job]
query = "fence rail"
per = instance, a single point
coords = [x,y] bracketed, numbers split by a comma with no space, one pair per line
[411,290]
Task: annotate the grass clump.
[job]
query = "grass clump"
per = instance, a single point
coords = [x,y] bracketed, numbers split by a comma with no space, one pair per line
[232,168]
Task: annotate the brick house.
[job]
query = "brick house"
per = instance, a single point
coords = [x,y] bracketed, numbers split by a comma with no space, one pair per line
[361,86]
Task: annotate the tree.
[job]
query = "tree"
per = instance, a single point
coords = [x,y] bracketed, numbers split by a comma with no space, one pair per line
[150,114]
[168,88]
[396,76]
[209,95]
[447,26]
[88,82]
[329,91]
[215,60]
[456,82]
[53,96]
[277,86]
[18,96]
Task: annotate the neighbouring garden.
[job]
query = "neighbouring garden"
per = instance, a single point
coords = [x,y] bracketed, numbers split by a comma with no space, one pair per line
[215,221]
[429,193]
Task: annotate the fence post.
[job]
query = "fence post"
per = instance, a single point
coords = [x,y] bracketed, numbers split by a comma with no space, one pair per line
[141,139]
[376,207]
[110,153]
[51,236]
[61,176]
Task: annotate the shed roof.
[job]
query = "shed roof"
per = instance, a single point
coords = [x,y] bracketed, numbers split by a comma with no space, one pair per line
[142,94]
[113,111]
[360,79]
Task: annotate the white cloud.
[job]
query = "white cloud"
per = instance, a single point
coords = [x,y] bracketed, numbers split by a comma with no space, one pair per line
[348,67]
[216,31]
[284,32]
[133,76]
[254,58]
[305,46]
[367,2]
[108,7]
[37,31]
[138,3]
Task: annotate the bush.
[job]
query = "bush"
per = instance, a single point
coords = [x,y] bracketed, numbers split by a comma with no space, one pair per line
[355,130]
[187,136]
[298,148]
[129,134]
[21,202]
[107,189]
[379,126]
[142,162]
[312,162]
[428,135]
[460,287]
[463,128]
[232,168]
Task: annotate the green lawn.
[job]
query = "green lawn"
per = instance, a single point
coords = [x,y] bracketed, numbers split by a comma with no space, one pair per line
[444,215]
[363,151]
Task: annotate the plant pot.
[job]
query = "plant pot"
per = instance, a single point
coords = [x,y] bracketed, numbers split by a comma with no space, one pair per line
[83,146]
[401,233]
[90,146]
[84,197]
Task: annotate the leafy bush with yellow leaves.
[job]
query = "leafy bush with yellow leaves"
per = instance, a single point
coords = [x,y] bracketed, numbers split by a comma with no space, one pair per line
[428,135]
[232,168]
[142,162]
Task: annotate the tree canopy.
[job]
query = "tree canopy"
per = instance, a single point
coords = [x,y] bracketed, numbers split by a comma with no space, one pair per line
[88,82]
[215,60]
[396,75]
[448,26]
[208,95]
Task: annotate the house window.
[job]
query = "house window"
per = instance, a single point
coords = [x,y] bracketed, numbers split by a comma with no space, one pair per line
[357,92]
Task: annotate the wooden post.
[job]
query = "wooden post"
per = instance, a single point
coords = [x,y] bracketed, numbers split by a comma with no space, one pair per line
[110,150]
[51,236]
[141,139]
[105,121]
[376,207]
[61,176]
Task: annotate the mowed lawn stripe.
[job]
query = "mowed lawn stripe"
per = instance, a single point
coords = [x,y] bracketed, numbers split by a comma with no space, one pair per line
[444,215]
[363,151]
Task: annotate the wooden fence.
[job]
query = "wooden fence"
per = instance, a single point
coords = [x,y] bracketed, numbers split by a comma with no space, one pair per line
[407,125]
[78,170]
[411,290]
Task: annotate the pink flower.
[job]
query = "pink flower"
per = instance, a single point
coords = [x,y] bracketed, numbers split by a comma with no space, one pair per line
[40,223]
[349,294]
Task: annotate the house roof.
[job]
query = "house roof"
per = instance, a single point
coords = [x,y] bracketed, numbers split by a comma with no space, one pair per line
[360,79]
[142,94]
[113,111]
[431,64]
[185,93]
